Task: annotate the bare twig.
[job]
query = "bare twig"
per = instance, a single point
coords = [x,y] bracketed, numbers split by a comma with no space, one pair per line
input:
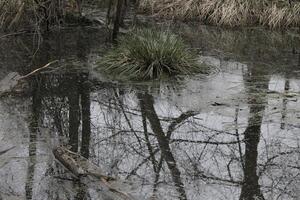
[3,152]
[12,34]
[39,69]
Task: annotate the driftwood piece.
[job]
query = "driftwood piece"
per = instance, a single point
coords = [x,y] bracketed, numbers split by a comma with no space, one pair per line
[82,167]
[69,161]
[77,164]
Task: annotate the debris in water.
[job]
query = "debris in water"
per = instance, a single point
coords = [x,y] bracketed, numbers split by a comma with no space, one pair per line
[15,82]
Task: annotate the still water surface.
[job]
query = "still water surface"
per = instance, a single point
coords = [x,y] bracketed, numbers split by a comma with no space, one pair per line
[233,134]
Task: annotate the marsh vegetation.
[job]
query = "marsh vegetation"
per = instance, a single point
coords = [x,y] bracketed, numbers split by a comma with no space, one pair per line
[145,54]
[269,13]
[33,14]
[42,14]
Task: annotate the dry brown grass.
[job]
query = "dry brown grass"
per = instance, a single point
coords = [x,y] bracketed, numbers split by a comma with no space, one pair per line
[281,17]
[16,14]
[274,14]
[11,12]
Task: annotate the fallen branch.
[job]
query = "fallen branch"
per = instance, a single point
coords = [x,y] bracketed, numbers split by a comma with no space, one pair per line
[4,151]
[81,167]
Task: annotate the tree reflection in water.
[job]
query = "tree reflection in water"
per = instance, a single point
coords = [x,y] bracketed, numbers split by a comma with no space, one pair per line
[69,113]
[34,127]
[133,138]
[147,108]
[256,85]
[245,149]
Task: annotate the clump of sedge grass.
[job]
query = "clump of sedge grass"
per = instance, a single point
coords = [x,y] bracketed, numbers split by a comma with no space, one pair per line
[148,54]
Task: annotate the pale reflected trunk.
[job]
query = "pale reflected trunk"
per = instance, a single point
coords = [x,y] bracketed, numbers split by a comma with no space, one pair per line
[74,114]
[284,104]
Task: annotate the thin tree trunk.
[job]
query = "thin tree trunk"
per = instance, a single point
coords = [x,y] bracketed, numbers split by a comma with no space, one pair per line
[108,14]
[86,119]
[136,8]
[117,20]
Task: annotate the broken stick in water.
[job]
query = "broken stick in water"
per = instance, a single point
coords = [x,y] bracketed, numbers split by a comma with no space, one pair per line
[39,69]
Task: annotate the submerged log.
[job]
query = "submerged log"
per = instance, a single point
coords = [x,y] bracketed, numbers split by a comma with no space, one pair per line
[82,168]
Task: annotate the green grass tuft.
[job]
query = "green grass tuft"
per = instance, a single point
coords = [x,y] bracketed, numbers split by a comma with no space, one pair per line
[148,54]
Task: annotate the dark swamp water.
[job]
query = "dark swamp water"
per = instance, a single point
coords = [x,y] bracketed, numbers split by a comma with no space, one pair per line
[231,135]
